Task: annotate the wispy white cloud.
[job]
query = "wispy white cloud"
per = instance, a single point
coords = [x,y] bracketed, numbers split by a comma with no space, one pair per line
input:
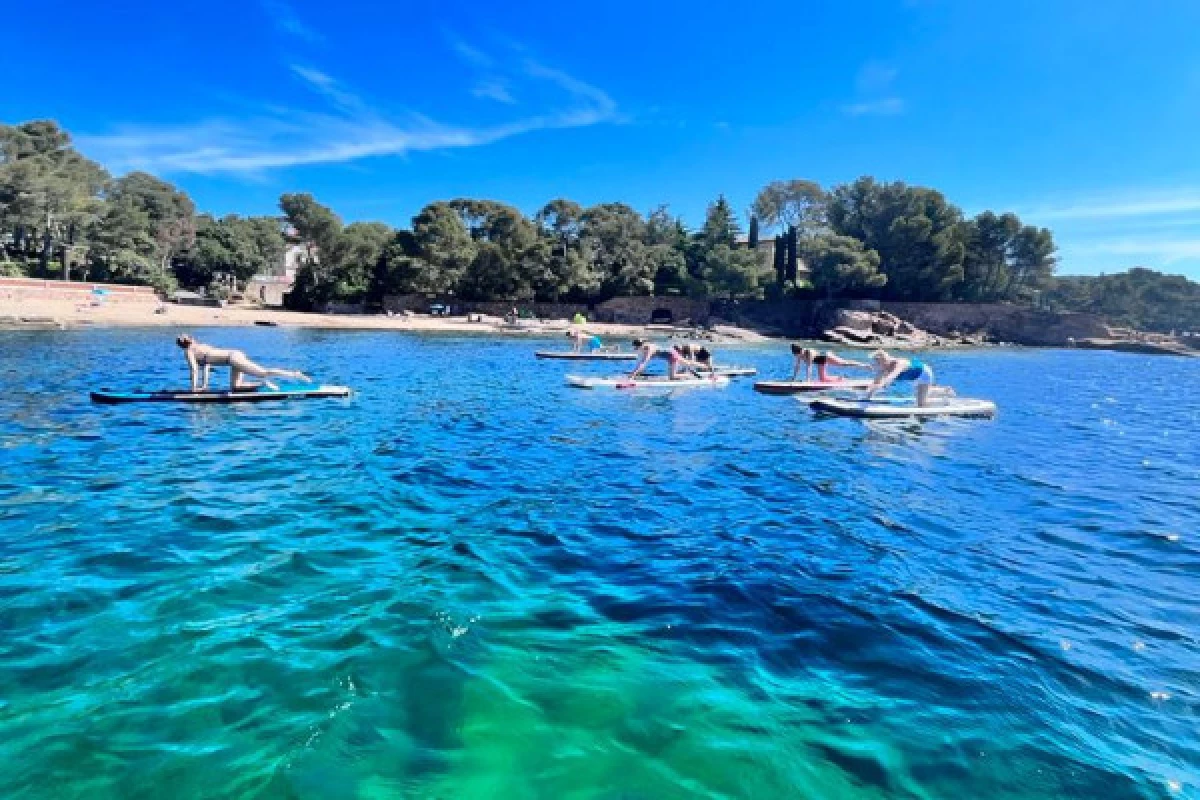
[494,89]
[285,20]
[1147,250]
[344,128]
[874,96]
[885,107]
[1133,204]
[469,53]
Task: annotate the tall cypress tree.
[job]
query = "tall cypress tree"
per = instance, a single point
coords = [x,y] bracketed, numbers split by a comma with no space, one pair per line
[780,261]
[791,253]
[753,237]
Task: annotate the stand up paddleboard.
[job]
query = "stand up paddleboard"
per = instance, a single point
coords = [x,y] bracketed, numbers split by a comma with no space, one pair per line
[584,382]
[594,356]
[248,395]
[728,372]
[867,409]
[798,387]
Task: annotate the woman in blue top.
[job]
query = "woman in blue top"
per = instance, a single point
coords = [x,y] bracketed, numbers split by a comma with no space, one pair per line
[889,369]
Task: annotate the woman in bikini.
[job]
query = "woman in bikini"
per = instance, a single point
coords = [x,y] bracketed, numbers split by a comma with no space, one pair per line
[810,358]
[205,356]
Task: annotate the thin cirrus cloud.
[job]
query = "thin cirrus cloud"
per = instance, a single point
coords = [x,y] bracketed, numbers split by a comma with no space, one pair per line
[1116,229]
[1124,205]
[1148,251]
[873,87]
[286,21]
[888,106]
[343,128]
[494,90]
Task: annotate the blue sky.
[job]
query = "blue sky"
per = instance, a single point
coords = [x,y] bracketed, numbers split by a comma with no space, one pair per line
[1081,116]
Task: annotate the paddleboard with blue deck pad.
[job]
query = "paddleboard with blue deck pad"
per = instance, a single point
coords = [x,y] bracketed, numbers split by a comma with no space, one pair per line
[874,409]
[254,394]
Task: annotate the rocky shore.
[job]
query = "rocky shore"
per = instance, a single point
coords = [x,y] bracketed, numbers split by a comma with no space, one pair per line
[872,329]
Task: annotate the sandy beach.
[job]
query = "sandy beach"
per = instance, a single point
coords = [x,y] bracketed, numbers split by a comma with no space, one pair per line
[67,314]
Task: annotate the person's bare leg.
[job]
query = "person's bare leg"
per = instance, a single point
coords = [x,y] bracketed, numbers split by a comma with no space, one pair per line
[923,394]
[245,365]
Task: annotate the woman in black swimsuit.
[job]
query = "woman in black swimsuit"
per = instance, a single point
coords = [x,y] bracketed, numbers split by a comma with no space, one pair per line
[206,356]
[810,358]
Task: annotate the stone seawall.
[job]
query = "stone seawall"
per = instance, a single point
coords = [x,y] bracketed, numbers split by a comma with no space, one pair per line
[620,310]
[34,291]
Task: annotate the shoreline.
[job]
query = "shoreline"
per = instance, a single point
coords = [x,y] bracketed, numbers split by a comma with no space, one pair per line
[71,316]
[68,315]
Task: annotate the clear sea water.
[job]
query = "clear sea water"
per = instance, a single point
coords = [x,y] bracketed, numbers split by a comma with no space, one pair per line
[470,581]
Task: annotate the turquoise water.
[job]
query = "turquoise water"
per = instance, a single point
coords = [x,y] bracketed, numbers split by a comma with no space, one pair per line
[470,581]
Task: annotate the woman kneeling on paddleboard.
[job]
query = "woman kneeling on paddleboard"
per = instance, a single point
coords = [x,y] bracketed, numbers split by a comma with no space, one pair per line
[810,358]
[889,369]
[205,355]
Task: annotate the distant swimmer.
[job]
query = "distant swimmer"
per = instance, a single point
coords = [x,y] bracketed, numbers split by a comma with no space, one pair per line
[889,369]
[810,358]
[648,351]
[205,355]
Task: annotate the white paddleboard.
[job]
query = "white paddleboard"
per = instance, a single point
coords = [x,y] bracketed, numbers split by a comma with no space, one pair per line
[728,372]
[868,409]
[599,355]
[798,387]
[644,383]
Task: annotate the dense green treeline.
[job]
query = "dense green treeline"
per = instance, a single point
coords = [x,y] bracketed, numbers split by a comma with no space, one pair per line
[1140,298]
[62,215]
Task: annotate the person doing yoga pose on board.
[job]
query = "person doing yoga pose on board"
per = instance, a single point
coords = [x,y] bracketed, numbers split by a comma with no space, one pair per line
[810,358]
[206,356]
[648,351]
[889,369]
[581,339]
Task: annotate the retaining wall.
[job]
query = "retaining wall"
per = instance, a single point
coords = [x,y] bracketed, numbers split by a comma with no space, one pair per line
[34,290]
[626,310]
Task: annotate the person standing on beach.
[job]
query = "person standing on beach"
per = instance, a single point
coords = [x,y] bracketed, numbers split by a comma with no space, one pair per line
[205,355]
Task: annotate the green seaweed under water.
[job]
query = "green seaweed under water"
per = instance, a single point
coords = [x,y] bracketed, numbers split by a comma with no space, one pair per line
[470,581]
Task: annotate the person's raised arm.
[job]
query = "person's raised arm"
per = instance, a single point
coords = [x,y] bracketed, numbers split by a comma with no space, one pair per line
[887,378]
[643,360]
